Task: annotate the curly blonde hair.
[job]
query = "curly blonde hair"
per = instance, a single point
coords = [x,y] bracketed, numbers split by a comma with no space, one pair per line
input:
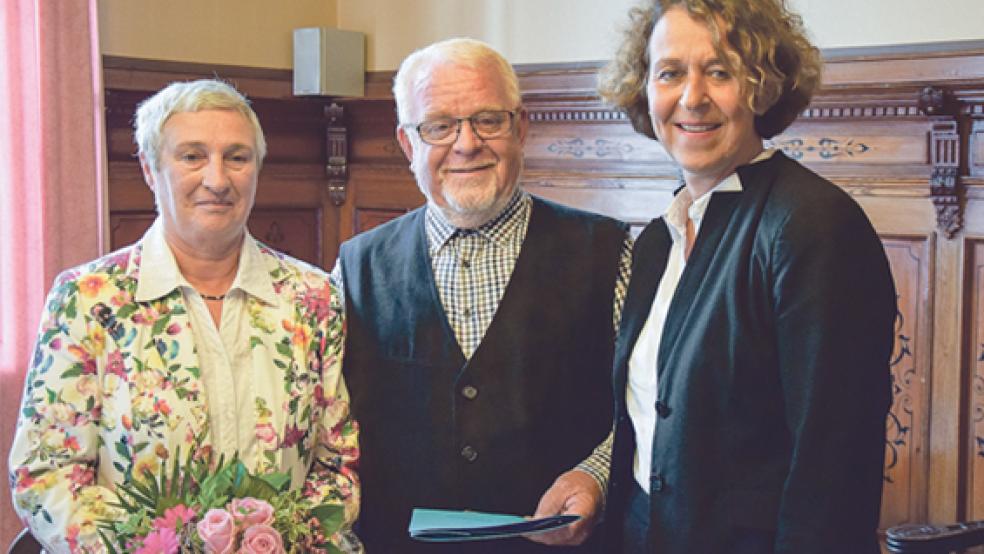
[762,40]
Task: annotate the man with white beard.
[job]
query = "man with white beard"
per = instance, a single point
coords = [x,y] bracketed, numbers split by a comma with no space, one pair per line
[480,326]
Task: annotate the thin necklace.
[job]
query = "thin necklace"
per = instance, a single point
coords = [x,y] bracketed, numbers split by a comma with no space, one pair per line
[218,298]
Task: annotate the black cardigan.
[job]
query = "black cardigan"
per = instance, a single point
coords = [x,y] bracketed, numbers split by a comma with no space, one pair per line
[773,382]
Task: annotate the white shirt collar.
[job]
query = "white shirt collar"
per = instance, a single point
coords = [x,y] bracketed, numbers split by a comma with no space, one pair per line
[695,209]
[159,273]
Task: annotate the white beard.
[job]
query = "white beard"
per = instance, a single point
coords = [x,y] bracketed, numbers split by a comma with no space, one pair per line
[470,196]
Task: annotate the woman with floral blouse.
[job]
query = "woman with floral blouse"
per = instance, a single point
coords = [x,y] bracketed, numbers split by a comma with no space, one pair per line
[196,339]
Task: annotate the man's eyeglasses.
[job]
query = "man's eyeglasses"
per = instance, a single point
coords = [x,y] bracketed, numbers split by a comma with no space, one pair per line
[441,131]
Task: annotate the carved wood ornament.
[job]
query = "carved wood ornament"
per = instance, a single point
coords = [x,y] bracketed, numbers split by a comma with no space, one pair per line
[337,153]
[944,182]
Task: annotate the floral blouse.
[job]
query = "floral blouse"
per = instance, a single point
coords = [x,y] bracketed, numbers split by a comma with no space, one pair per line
[114,387]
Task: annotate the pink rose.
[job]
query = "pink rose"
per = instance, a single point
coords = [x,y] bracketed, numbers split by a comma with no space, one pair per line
[262,539]
[218,531]
[250,511]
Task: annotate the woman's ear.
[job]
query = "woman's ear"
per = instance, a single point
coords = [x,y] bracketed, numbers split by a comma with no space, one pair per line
[148,172]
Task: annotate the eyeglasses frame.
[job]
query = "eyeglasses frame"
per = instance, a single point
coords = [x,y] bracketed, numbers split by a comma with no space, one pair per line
[513,114]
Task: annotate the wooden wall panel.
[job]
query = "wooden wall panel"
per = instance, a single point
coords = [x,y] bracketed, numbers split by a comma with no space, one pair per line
[126,227]
[295,232]
[975,348]
[907,427]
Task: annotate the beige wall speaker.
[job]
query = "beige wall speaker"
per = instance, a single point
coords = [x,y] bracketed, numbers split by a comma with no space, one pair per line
[329,62]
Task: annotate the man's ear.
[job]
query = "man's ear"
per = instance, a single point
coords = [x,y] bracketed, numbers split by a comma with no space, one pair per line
[148,173]
[523,125]
[405,143]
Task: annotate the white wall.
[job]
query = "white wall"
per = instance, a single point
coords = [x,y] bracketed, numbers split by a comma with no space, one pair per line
[542,31]
[525,31]
[852,23]
[258,32]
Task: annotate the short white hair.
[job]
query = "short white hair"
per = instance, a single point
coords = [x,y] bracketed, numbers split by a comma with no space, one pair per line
[466,52]
[190,96]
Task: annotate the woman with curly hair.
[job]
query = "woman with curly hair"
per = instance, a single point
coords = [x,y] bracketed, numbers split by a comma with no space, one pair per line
[751,368]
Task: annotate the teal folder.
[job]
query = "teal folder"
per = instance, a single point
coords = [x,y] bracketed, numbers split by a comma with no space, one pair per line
[454,526]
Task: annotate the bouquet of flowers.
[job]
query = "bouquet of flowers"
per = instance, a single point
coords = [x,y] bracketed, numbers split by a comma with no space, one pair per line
[222,510]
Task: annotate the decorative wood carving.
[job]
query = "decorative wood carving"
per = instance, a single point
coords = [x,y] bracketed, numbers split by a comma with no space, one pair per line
[827,148]
[600,114]
[936,102]
[337,153]
[944,184]
[882,111]
[599,148]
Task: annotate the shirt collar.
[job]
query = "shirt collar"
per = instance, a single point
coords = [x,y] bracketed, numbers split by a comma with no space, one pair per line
[502,228]
[159,273]
[253,276]
[683,205]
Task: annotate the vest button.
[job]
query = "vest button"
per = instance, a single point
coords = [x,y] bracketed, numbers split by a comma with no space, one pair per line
[469,453]
[465,264]
[657,483]
[469,392]
[466,312]
[662,409]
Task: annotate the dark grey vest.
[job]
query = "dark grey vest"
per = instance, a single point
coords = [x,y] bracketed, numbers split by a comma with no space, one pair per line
[493,433]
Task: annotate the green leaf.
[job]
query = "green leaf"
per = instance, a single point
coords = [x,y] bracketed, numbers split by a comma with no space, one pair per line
[122,449]
[70,309]
[106,541]
[175,475]
[255,487]
[215,489]
[126,311]
[73,370]
[160,324]
[137,496]
[331,517]
[48,335]
[278,481]
[284,349]
[254,342]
